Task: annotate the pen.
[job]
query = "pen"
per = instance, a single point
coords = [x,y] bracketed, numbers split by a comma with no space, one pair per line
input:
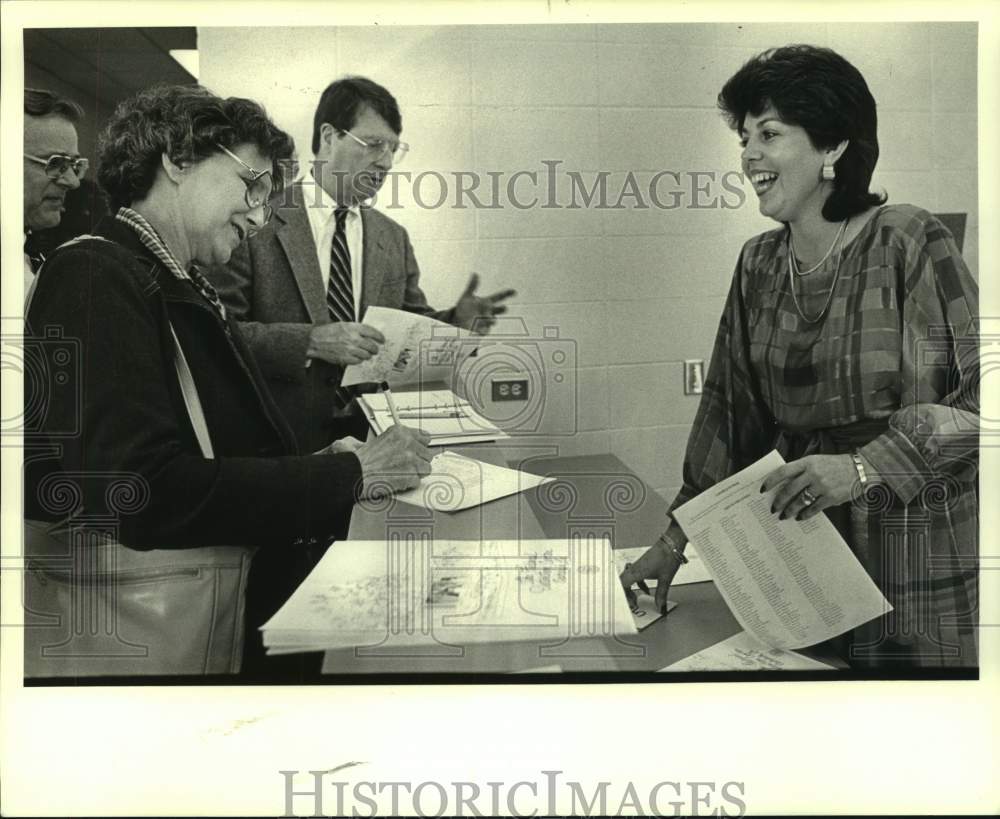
[391,403]
[429,415]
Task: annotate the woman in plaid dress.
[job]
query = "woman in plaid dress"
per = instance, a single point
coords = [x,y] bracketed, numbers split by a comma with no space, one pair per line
[848,342]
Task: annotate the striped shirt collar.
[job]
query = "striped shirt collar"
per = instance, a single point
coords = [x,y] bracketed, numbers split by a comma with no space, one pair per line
[151,240]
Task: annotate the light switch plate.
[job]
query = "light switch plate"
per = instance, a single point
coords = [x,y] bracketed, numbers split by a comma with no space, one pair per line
[694,376]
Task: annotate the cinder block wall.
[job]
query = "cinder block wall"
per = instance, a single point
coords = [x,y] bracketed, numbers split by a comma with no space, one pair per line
[638,288]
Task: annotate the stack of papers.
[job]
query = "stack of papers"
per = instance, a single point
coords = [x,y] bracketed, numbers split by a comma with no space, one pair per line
[441,414]
[404,594]
[742,652]
[456,482]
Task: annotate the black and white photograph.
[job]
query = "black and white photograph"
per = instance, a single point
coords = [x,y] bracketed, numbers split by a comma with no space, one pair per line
[384,389]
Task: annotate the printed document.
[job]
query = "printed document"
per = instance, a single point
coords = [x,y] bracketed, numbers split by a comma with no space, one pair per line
[789,583]
[441,414]
[457,482]
[416,349]
[742,652]
[645,612]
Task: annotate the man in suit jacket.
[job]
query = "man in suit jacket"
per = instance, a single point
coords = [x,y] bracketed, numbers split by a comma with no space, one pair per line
[301,284]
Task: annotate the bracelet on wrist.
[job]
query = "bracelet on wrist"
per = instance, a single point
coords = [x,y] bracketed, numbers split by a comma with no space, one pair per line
[672,549]
[859,467]
[679,555]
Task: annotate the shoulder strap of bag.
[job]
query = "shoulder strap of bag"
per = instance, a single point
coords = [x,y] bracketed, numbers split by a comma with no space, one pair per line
[191,399]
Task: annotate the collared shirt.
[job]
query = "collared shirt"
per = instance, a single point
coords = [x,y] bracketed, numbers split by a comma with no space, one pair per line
[154,243]
[29,267]
[323,224]
[29,276]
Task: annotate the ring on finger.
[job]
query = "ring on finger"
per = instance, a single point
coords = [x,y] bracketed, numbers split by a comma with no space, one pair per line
[808,498]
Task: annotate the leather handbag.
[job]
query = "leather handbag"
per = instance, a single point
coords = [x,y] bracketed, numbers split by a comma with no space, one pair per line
[96,607]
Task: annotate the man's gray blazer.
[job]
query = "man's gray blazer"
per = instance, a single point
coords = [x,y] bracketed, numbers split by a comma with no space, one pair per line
[273,286]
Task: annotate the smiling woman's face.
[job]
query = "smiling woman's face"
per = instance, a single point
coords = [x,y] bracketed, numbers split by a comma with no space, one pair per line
[214,210]
[783,167]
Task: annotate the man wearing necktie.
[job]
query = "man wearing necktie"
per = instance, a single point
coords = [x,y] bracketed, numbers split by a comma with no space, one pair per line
[52,167]
[301,285]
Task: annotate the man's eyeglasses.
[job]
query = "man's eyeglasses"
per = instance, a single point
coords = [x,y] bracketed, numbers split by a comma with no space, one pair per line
[259,186]
[378,147]
[57,164]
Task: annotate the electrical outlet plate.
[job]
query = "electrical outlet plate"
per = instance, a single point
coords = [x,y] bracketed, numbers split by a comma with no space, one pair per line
[509,388]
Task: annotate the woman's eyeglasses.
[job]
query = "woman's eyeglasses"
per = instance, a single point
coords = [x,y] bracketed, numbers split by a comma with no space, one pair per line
[259,186]
[57,164]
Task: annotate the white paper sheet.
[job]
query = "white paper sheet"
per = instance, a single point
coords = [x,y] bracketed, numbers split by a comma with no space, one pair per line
[742,652]
[417,348]
[441,414]
[789,583]
[457,482]
[401,594]
[542,669]
[645,613]
[694,571]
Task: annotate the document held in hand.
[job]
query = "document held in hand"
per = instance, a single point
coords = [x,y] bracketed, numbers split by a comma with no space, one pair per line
[417,348]
[789,583]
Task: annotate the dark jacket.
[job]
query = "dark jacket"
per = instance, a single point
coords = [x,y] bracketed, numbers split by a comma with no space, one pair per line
[113,407]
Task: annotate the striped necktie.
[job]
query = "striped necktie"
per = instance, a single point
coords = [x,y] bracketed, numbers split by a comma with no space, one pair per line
[340,290]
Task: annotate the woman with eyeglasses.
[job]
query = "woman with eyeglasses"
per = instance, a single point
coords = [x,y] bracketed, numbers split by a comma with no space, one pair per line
[848,343]
[164,435]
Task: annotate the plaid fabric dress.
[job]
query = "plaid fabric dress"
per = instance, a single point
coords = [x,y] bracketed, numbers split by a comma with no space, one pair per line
[891,369]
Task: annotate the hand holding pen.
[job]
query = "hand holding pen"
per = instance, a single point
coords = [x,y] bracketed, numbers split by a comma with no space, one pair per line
[384,388]
[394,461]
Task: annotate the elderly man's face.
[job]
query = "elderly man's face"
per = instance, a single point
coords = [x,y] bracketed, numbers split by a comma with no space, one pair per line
[45,198]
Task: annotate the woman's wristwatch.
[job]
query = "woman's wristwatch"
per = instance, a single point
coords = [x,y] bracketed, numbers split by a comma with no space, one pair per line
[859,467]
[677,553]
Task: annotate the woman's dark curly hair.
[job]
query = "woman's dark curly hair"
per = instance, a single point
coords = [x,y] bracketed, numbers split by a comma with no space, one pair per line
[185,122]
[818,90]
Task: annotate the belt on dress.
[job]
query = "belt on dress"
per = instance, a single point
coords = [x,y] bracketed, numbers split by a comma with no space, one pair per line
[797,443]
